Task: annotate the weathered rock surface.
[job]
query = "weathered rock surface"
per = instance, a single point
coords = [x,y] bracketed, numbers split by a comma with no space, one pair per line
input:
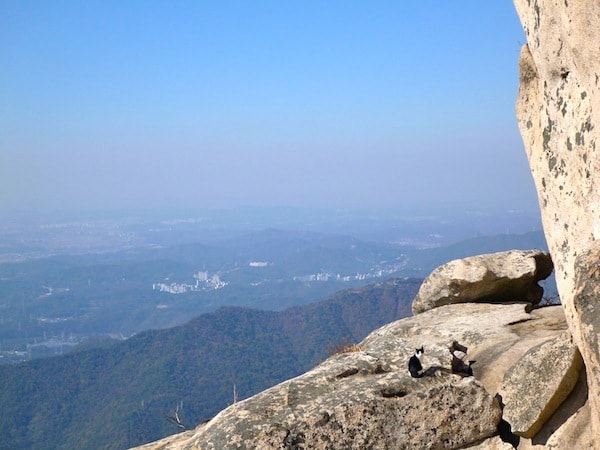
[494,443]
[586,301]
[569,427]
[499,277]
[361,412]
[558,111]
[367,399]
[539,383]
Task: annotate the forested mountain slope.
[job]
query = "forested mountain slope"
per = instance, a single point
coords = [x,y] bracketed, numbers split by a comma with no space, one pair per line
[131,392]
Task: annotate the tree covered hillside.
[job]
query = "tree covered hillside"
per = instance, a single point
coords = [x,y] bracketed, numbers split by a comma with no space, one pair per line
[134,391]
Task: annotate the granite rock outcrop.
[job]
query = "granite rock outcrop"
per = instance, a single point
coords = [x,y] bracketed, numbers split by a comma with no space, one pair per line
[540,381]
[365,398]
[558,112]
[499,277]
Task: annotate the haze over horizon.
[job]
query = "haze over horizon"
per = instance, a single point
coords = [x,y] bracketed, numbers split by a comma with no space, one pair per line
[141,105]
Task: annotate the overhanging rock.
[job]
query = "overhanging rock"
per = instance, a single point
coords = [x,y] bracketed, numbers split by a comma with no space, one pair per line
[510,276]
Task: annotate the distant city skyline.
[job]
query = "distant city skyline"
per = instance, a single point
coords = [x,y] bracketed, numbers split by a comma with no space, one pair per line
[137,105]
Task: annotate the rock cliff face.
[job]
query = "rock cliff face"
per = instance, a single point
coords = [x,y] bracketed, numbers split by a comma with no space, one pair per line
[558,110]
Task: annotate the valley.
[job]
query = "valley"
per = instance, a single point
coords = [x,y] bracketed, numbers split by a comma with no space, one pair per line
[64,283]
[182,318]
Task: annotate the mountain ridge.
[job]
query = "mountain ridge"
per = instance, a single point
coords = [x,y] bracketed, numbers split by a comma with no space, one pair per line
[133,387]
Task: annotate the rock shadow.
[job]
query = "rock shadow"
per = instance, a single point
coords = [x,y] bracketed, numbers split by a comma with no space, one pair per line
[504,428]
[431,371]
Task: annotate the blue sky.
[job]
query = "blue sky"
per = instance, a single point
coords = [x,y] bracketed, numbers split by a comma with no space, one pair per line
[191,104]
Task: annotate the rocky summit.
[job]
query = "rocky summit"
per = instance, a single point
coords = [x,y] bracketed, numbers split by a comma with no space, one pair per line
[487,368]
[558,112]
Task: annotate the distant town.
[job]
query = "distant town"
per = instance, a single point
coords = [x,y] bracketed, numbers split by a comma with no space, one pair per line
[204,282]
[374,273]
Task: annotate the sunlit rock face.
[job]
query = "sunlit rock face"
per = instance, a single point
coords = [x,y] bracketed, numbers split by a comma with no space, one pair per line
[510,276]
[558,111]
[541,380]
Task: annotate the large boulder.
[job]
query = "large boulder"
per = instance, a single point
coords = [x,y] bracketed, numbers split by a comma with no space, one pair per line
[365,398]
[558,112]
[535,387]
[364,410]
[496,277]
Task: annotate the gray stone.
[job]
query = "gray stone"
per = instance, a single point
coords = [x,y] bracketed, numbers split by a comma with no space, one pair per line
[558,112]
[569,427]
[494,443]
[586,301]
[496,277]
[538,383]
[358,413]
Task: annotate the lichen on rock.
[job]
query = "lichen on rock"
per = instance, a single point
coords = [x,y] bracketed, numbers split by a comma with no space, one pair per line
[539,382]
[558,112]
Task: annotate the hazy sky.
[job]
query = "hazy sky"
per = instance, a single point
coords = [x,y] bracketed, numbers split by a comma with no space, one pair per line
[136,104]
